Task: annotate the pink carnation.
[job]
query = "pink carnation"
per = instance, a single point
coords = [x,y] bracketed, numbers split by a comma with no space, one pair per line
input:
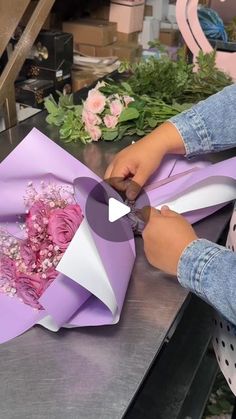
[110,121]
[90,118]
[127,100]
[95,101]
[29,288]
[63,224]
[94,132]
[116,107]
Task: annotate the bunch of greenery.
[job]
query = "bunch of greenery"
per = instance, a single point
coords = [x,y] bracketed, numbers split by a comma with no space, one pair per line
[176,81]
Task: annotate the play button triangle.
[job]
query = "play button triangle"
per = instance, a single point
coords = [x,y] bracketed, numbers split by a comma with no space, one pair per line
[116,210]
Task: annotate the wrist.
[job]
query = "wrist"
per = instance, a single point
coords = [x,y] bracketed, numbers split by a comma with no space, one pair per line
[166,139]
[172,139]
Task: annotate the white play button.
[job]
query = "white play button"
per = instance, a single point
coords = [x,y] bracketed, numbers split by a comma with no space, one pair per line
[116,210]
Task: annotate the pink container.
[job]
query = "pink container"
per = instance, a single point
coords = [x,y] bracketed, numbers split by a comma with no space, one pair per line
[128,18]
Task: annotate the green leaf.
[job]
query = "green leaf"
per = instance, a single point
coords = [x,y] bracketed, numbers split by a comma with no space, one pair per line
[127,87]
[51,105]
[140,132]
[78,110]
[128,114]
[152,122]
[66,101]
[110,135]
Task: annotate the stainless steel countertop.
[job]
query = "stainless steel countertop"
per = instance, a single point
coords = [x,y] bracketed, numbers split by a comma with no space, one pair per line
[91,373]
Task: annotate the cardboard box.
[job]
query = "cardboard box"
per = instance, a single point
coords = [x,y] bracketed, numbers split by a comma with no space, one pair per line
[124,51]
[169,37]
[94,51]
[127,37]
[91,31]
[128,18]
[130,52]
[82,79]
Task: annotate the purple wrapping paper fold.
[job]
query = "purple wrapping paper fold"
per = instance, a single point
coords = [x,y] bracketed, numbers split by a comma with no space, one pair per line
[78,301]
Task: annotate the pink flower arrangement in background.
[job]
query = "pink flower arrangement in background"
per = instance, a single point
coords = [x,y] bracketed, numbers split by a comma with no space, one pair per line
[28,265]
[101,112]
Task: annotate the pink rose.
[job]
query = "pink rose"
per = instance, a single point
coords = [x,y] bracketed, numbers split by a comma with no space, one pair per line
[95,101]
[110,121]
[90,118]
[127,100]
[7,271]
[28,255]
[116,107]
[63,224]
[94,132]
[29,289]
[36,221]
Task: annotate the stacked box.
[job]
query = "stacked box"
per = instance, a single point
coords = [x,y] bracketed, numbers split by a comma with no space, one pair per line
[169,37]
[91,31]
[82,79]
[129,17]
[124,51]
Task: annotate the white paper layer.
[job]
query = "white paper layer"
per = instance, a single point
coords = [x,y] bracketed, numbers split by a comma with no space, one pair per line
[213,191]
[82,263]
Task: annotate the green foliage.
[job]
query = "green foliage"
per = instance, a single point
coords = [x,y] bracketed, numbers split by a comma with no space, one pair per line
[176,81]
[160,89]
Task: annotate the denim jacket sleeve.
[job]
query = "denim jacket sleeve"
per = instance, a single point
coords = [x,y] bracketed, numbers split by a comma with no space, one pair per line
[209,270]
[210,125]
[205,268]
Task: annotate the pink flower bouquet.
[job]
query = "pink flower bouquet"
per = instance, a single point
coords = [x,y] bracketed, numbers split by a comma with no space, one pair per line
[108,113]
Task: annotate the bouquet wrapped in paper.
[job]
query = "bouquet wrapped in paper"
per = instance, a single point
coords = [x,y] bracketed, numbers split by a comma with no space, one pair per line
[54,269]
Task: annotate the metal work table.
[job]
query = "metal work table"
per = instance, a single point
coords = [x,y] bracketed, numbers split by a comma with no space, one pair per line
[96,372]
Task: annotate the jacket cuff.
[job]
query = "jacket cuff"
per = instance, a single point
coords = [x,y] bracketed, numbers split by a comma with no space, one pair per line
[192,263]
[193,131]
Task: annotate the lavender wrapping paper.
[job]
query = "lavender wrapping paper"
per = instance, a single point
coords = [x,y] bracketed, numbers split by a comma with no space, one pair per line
[66,302]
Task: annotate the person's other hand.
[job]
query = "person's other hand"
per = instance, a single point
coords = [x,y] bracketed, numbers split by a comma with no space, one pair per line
[138,161]
[165,236]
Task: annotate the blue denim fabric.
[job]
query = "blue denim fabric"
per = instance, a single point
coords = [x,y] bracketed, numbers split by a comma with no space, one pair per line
[209,270]
[210,125]
[205,268]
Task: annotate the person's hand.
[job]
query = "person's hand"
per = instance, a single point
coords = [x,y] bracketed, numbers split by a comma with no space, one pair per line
[140,160]
[165,236]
